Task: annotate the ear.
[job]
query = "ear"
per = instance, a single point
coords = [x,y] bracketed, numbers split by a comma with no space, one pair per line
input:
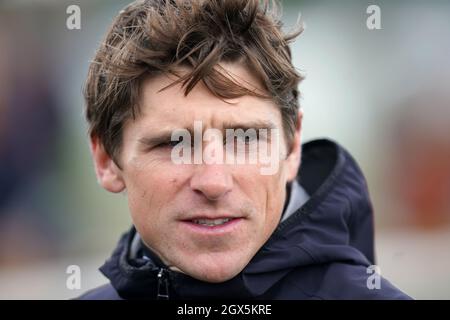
[109,175]
[293,158]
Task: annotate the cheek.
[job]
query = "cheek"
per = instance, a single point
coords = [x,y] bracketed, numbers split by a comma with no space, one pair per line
[267,192]
[276,196]
[151,191]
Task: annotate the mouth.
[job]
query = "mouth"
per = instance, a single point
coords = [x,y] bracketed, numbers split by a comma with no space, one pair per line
[208,225]
[211,222]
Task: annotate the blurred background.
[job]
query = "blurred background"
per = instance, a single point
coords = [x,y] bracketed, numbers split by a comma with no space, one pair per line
[384,94]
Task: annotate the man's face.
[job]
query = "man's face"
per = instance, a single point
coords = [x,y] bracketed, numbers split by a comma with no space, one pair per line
[206,220]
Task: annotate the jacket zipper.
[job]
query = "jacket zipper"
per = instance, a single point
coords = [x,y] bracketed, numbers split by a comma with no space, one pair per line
[163,285]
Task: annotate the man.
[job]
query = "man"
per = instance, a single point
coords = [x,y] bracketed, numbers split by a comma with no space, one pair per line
[221,229]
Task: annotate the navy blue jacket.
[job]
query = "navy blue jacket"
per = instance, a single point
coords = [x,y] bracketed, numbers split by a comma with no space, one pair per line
[322,251]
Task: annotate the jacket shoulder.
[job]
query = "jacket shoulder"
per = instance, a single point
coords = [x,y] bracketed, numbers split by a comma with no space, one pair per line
[347,281]
[336,281]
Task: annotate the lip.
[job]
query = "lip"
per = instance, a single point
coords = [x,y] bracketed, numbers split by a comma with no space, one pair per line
[222,229]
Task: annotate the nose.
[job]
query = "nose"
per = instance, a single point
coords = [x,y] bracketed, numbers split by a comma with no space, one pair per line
[213,181]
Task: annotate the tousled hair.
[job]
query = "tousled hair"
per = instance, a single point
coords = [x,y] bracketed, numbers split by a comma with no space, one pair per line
[154,37]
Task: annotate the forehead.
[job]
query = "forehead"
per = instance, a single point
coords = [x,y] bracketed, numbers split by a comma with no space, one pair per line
[170,107]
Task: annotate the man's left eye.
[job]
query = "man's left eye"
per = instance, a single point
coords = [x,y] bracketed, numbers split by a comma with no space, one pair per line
[246,138]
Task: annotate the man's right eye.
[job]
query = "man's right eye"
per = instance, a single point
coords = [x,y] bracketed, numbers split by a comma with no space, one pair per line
[168,144]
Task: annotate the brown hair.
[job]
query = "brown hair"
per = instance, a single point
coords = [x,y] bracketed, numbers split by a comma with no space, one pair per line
[157,36]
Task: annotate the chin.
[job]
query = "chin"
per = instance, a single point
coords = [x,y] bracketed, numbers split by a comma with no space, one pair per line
[216,273]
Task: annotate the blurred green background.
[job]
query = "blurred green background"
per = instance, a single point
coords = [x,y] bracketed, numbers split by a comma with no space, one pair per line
[383,94]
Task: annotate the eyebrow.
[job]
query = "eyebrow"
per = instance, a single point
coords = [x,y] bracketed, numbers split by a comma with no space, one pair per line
[166,135]
[253,124]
